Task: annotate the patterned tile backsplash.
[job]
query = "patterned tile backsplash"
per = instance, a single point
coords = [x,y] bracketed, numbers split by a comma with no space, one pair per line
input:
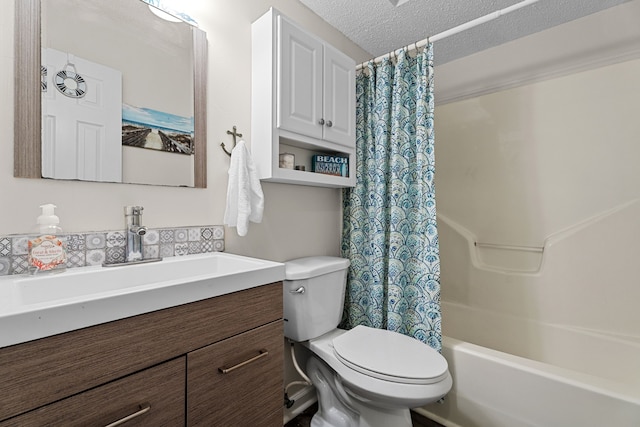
[96,248]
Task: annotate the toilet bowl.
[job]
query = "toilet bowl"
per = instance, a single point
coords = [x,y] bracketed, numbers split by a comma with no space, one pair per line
[364,377]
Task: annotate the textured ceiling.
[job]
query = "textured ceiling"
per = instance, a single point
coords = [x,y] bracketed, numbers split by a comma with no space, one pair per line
[379,26]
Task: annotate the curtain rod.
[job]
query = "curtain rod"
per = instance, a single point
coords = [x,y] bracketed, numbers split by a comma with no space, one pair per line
[455,30]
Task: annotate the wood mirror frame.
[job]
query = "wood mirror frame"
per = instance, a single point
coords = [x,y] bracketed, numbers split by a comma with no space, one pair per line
[27,149]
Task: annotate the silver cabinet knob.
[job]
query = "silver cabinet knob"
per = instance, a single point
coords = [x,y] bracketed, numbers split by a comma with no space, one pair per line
[300,290]
[329,123]
[321,122]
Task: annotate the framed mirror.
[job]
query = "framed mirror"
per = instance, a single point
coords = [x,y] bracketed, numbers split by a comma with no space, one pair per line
[147,74]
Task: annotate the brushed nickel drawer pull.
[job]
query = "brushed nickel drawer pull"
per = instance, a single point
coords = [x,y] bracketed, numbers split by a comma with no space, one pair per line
[144,408]
[262,354]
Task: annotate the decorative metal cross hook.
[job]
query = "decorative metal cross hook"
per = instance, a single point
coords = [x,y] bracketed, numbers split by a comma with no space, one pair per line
[235,135]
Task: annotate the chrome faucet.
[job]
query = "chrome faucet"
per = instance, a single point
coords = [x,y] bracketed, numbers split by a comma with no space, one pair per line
[135,231]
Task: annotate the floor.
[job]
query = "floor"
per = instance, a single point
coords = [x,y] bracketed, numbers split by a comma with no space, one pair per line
[304,419]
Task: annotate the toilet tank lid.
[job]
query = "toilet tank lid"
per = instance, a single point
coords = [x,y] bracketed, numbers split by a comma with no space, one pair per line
[304,268]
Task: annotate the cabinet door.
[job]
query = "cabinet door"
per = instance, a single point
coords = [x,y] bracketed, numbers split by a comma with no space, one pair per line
[238,381]
[339,97]
[299,80]
[153,397]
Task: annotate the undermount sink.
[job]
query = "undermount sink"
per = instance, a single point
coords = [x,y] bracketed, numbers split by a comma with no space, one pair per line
[37,306]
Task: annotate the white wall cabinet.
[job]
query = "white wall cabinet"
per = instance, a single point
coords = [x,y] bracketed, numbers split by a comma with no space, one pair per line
[303,102]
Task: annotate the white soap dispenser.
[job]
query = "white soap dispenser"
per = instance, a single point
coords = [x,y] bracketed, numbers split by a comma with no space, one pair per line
[47,249]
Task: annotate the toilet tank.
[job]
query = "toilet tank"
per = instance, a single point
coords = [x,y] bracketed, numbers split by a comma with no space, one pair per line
[314,289]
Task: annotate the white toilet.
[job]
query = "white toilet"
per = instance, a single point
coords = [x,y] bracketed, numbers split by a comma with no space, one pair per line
[364,377]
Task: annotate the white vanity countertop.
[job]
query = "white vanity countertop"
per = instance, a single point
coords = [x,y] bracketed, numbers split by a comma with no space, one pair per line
[33,307]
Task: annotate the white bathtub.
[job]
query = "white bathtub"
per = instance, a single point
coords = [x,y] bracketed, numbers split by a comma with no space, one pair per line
[547,338]
[496,389]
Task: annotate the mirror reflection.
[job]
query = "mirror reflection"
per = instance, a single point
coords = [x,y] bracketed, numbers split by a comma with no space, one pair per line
[118,88]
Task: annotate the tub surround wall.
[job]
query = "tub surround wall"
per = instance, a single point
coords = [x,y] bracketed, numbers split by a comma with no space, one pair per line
[552,165]
[540,158]
[549,165]
[586,281]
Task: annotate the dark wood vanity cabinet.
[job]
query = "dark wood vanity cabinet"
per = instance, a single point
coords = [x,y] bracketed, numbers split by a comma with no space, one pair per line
[235,376]
[153,397]
[216,362]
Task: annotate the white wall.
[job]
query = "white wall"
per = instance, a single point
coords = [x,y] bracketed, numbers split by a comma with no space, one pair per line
[548,164]
[298,220]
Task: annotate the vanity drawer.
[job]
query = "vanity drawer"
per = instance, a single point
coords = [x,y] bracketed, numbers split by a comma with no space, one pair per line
[43,371]
[250,388]
[160,389]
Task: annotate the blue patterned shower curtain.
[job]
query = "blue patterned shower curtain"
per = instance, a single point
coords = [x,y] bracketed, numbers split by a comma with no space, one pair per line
[389,229]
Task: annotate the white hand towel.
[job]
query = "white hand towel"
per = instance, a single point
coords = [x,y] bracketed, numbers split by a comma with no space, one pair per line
[245,200]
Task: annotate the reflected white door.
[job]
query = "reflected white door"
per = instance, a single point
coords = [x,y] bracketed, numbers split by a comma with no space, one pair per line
[82,137]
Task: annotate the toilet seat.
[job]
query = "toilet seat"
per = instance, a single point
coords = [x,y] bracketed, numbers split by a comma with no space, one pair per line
[389,356]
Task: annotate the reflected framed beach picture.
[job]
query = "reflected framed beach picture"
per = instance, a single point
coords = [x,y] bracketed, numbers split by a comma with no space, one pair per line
[157,130]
